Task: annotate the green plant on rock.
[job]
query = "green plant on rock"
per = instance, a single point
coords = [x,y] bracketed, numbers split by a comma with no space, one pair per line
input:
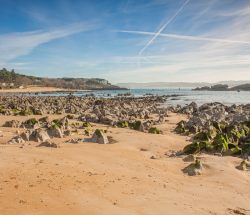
[2,111]
[245,147]
[86,125]
[135,125]
[87,131]
[180,129]
[234,135]
[201,136]
[197,147]
[15,111]
[98,132]
[192,148]
[220,127]
[56,123]
[233,150]
[154,130]
[31,121]
[25,112]
[123,124]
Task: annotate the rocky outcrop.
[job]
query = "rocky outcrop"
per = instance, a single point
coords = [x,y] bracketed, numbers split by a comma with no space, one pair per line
[217,128]
[99,137]
[194,169]
[39,135]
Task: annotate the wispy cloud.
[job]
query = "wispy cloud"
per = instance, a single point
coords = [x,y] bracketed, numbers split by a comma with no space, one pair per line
[187,37]
[17,44]
[163,27]
[213,45]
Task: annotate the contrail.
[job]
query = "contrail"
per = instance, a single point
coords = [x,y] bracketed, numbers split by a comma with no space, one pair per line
[163,27]
[187,37]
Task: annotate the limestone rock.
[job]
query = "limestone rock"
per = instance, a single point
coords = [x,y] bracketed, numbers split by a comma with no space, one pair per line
[39,135]
[55,132]
[194,168]
[99,137]
[48,144]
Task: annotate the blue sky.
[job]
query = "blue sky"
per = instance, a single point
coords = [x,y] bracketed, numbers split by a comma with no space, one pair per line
[127,40]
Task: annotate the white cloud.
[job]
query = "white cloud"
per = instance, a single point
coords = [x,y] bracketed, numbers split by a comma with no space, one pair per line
[218,52]
[17,44]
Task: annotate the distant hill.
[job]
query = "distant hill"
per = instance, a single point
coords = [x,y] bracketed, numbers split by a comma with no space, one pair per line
[13,80]
[233,83]
[179,84]
[163,85]
[224,87]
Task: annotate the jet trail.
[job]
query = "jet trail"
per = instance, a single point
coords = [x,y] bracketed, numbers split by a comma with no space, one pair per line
[187,37]
[163,27]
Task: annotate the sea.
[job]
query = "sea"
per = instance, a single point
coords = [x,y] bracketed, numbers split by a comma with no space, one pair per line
[178,96]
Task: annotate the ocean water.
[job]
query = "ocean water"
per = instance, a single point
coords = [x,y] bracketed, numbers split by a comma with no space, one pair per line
[185,96]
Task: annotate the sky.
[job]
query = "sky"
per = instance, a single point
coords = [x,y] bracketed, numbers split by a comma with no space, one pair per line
[127,40]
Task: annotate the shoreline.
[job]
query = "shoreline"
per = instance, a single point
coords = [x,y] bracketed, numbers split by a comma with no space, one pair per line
[48,90]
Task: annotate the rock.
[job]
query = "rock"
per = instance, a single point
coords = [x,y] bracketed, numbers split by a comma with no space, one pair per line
[99,137]
[244,165]
[73,141]
[31,124]
[44,121]
[67,132]
[26,135]
[189,158]
[153,157]
[39,135]
[154,130]
[16,140]
[194,168]
[240,117]
[55,132]
[12,124]
[141,128]
[48,144]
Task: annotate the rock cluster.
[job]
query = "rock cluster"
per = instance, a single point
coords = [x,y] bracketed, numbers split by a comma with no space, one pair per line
[41,130]
[217,128]
[139,113]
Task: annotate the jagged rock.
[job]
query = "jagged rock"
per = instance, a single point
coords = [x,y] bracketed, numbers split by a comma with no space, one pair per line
[194,168]
[12,124]
[16,140]
[31,124]
[74,141]
[26,135]
[48,144]
[55,132]
[141,128]
[154,130]
[161,119]
[67,132]
[44,121]
[244,165]
[99,137]
[189,158]
[39,135]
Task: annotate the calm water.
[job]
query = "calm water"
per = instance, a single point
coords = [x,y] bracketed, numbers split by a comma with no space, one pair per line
[185,95]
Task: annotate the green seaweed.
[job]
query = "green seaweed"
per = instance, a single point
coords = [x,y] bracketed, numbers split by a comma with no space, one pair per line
[154,130]
[86,125]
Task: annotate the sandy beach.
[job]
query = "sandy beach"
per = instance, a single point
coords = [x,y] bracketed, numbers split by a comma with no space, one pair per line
[35,89]
[119,178]
[125,107]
